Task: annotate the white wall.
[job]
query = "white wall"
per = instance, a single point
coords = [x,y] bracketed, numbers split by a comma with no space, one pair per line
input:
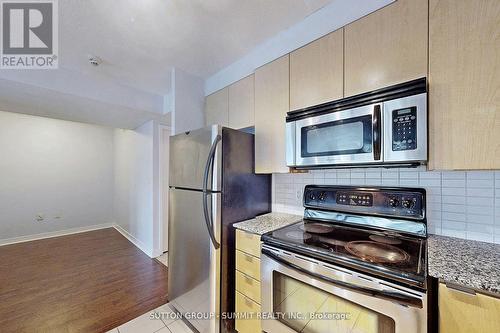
[55,168]
[459,204]
[136,185]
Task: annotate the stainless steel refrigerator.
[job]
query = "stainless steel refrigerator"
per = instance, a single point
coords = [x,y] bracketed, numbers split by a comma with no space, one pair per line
[212,186]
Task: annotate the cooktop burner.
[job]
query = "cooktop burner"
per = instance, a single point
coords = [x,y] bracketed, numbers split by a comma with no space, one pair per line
[369,249]
[385,239]
[317,228]
[377,252]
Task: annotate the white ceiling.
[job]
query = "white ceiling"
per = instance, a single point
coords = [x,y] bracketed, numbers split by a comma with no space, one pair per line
[140,42]
[37,101]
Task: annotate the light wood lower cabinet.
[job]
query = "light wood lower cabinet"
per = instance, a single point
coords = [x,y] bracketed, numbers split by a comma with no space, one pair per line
[386,47]
[271,105]
[247,293]
[248,243]
[464,84]
[248,264]
[464,313]
[251,323]
[248,286]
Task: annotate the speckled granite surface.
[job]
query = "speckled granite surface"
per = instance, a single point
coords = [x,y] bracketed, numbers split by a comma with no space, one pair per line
[469,263]
[267,222]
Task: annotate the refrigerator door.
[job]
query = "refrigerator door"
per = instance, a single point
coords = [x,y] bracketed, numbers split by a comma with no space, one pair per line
[190,157]
[194,262]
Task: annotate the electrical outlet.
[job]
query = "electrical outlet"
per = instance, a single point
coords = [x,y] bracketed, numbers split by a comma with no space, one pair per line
[39,218]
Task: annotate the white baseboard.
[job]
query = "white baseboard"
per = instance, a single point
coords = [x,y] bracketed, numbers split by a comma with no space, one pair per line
[157,253]
[51,234]
[146,249]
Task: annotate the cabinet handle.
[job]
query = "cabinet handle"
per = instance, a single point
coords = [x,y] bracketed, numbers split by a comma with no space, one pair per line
[460,288]
[248,280]
[248,258]
[377,132]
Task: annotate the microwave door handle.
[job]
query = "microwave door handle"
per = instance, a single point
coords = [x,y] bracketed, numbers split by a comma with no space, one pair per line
[377,132]
[386,295]
[209,169]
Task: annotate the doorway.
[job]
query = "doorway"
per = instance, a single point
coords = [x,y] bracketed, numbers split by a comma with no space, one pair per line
[164,181]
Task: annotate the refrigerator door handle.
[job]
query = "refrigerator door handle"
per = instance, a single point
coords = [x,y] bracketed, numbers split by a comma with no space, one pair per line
[209,170]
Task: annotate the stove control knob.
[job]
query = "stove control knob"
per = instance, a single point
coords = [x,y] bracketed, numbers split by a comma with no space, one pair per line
[312,196]
[408,203]
[393,202]
[322,196]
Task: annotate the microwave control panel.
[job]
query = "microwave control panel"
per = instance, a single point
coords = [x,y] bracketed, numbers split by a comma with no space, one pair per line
[404,129]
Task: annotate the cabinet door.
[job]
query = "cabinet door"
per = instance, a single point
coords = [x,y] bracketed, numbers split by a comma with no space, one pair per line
[464,84]
[271,106]
[316,71]
[241,103]
[216,108]
[386,47]
[463,313]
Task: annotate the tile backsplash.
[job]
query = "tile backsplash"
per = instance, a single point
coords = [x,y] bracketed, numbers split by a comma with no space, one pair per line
[459,204]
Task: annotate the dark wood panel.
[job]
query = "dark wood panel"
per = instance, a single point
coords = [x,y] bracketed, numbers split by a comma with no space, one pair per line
[87,282]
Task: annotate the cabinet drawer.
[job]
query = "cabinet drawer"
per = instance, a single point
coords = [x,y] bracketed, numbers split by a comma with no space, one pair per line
[463,313]
[248,242]
[250,323]
[248,264]
[248,286]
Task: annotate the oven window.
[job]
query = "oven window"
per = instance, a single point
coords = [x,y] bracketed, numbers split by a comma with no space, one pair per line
[341,137]
[307,309]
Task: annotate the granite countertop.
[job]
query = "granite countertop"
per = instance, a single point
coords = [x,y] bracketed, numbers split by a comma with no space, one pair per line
[465,262]
[267,222]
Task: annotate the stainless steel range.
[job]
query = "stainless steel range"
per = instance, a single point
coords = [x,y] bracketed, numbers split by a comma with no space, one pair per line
[355,263]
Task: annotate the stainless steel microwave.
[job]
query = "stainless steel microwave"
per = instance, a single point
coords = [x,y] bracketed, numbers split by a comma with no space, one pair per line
[384,127]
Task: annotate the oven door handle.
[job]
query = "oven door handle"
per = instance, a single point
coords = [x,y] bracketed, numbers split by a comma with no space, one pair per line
[377,132]
[386,295]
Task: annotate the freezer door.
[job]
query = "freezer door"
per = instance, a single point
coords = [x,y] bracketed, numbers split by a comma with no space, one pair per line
[189,156]
[194,262]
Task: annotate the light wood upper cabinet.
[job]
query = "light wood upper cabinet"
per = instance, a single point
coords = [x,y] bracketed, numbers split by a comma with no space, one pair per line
[316,71]
[386,47]
[464,84]
[217,108]
[463,313]
[241,103]
[271,106]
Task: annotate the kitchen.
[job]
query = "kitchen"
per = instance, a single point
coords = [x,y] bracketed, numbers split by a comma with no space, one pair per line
[340,173]
[414,64]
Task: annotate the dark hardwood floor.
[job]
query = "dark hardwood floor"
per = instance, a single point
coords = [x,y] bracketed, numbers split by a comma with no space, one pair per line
[87,282]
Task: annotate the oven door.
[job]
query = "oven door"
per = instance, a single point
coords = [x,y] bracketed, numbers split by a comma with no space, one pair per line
[350,136]
[303,295]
